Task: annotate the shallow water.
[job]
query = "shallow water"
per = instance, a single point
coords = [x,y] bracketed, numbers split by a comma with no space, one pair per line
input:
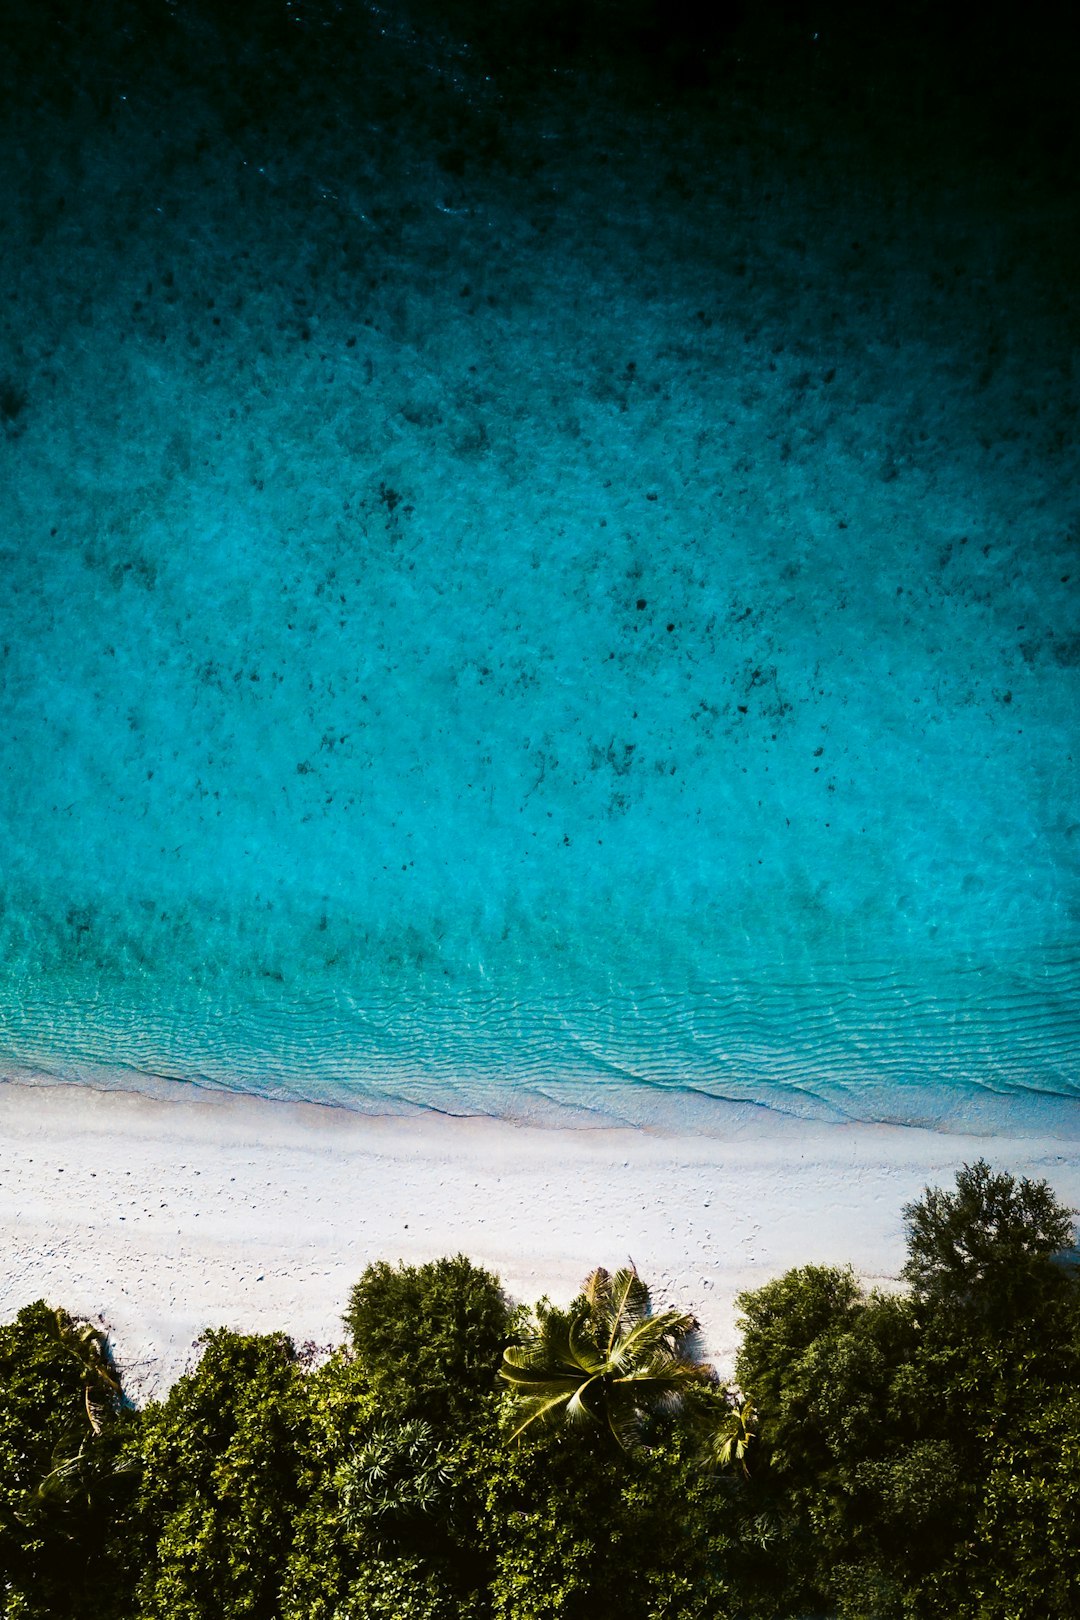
[566,634]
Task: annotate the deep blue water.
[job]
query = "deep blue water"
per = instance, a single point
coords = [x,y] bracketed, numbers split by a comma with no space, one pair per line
[567,623]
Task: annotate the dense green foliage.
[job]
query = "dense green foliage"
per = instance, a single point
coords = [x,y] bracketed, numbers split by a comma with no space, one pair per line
[430,1336]
[906,1456]
[927,1445]
[63,1480]
[221,1462]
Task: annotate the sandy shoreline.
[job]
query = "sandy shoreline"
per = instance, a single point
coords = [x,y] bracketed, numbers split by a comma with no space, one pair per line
[162,1217]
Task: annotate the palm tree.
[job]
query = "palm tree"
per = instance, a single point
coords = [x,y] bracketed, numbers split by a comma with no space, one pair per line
[85,1458]
[733,1436]
[88,1347]
[611,1362]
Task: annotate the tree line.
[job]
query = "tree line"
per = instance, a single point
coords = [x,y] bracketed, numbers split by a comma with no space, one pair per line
[886,1456]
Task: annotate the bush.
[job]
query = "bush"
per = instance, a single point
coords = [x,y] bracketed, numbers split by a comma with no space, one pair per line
[430,1337]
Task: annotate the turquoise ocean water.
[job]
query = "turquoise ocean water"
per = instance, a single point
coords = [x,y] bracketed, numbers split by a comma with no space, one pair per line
[570,632]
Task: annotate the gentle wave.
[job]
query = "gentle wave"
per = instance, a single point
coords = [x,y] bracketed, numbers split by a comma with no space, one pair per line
[876,1045]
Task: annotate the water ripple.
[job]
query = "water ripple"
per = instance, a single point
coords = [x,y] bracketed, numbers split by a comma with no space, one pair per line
[874,1045]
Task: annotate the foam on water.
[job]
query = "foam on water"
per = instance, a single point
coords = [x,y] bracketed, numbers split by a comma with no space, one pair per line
[544,646]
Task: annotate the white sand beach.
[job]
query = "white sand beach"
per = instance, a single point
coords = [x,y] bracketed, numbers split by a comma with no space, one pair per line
[161,1217]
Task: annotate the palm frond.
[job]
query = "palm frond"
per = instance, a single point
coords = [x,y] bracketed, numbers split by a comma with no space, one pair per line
[626,1420]
[541,1409]
[553,1340]
[533,1378]
[584,1352]
[655,1336]
[630,1297]
[733,1437]
[655,1381]
[597,1291]
[617,1303]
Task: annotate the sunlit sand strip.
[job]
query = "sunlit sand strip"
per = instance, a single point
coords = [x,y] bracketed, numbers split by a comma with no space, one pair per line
[163,1215]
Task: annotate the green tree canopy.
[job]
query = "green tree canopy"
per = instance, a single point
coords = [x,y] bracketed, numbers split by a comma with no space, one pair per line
[988,1245]
[850,1444]
[429,1336]
[389,1515]
[780,1323]
[222,1482]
